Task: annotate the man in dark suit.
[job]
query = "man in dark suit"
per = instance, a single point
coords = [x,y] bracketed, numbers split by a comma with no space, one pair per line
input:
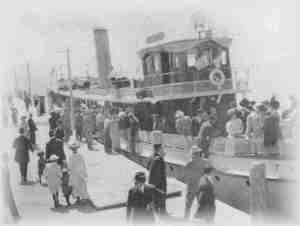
[22,145]
[32,130]
[55,147]
[157,172]
[139,202]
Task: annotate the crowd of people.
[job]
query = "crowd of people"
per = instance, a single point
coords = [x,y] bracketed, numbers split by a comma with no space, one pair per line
[257,122]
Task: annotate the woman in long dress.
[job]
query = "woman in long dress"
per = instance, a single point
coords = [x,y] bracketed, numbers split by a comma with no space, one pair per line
[78,173]
[234,128]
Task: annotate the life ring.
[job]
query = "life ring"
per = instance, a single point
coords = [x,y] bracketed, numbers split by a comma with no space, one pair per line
[217,77]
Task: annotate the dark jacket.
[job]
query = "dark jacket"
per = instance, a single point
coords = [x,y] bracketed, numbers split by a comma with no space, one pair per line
[55,147]
[22,145]
[157,172]
[139,208]
[195,127]
[60,133]
[52,123]
[148,123]
[32,125]
[272,130]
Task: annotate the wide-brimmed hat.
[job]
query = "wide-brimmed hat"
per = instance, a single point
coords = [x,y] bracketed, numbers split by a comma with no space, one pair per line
[260,107]
[196,150]
[179,114]
[53,158]
[231,112]
[74,144]
[157,137]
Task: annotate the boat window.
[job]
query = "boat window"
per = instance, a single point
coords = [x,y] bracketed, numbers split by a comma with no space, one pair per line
[202,60]
[149,64]
[219,57]
[191,59]
[157,62]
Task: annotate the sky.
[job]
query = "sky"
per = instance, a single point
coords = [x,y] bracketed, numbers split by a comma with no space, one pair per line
[37,32]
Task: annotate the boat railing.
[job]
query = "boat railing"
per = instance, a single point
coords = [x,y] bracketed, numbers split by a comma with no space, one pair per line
[189,75]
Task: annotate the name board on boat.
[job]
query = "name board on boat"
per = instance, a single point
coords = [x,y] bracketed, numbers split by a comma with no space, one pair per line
[155,37]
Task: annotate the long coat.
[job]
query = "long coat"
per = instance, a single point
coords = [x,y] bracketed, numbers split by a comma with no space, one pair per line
[55,147]
[157,172]
[32,129]
[53,176]
[22,145]
[207,207]
[193,171]
[78,176]
[139,209]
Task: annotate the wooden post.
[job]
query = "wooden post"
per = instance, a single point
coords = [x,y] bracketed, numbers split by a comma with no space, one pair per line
[258,192]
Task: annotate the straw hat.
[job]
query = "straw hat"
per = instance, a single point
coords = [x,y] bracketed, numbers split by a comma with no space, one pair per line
[195,150]
[179,114]
[53,158]
[157,137]
[74,144]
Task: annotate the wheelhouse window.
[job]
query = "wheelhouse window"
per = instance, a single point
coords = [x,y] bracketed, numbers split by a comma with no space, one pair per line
[203,59]
[220,57]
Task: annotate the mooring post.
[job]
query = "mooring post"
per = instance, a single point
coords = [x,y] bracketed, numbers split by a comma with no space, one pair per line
[258,192]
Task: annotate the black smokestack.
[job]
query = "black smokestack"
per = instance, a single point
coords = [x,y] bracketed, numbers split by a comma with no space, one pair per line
[103,56]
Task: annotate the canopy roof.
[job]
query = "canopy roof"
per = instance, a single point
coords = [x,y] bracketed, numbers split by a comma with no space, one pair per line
[183,45]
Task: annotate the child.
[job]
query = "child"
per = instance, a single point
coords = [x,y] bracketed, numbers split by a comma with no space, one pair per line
[66,188]
[53,176]
[41,165]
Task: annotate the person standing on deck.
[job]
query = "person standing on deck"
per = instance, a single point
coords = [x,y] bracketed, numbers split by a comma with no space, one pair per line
[255,128]
[157,172]
[134,139]
[158,123]
[114,131]
[148,126]
[193,171]
[207,135]
[234,128]
[32,130]
[272,132]
[107,137]
[206,197]
[184,127]
[22,145]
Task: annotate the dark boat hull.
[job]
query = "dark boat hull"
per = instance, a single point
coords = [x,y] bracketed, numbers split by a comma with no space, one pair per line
[232,189]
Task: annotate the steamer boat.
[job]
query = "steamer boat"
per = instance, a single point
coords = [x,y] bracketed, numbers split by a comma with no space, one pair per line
[186,75]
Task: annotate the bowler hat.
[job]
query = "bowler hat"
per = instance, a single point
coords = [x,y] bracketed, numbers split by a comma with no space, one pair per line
[140,177]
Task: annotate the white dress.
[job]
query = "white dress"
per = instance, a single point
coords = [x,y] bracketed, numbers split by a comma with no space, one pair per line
[53,176]
[78,176]
[233,128]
